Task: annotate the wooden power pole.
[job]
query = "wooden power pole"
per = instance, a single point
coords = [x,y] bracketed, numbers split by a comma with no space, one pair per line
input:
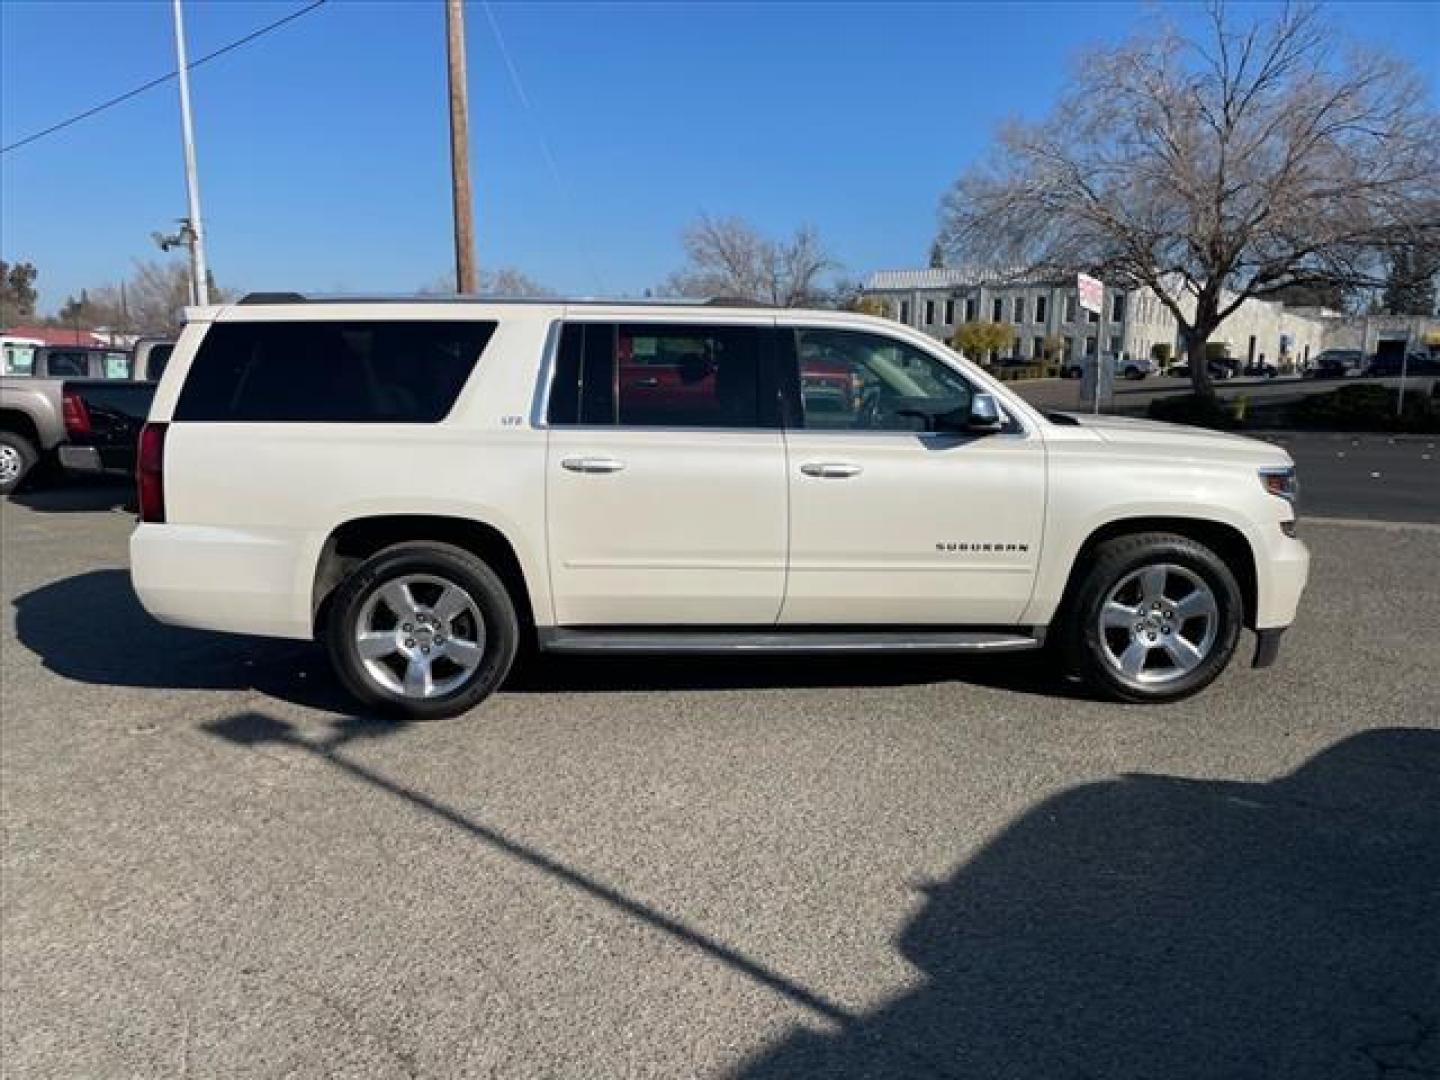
[460,148]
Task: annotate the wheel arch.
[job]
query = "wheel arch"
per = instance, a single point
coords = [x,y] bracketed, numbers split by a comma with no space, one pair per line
[1227,541]
[21,423]
[352,542]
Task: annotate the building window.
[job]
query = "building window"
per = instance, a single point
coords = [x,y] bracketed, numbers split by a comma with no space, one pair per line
[1094,316]
[1019,309]
[949,312]
[1091,345]
[998,310]
[905,311]
[1040,309]
[970,309]
[1037,348]
[1116,344]
[1117,307]
[1069,307]
[929,312]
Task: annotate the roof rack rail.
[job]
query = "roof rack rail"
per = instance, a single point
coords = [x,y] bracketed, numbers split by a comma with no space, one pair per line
[736,301]
[272,298]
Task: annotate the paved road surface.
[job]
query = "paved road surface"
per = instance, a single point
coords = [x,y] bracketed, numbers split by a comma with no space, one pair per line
[754,869]
[1134,398]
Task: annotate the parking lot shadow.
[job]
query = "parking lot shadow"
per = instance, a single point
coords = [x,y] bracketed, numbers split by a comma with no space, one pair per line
[1153,926]
[91,628]
[69,496]
[1030,673]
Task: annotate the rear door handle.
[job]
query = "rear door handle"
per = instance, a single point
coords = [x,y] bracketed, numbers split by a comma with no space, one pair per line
[831,470]
[591,464]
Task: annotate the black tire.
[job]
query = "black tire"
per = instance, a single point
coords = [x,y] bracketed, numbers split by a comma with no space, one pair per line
[18,457]
[1090,652]
[444,563]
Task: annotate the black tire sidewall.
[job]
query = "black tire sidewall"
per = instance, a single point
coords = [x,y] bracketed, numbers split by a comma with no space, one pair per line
[497,610]
[28,458]
[1118,558]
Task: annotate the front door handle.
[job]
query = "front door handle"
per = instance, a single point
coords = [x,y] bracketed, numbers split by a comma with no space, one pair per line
[591,464]
[831,470]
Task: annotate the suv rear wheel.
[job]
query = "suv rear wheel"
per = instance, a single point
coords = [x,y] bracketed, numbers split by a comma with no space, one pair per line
[1156,618]
[422,630]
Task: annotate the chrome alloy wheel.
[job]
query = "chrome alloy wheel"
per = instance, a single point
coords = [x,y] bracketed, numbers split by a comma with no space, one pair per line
[1159,624]
[420,636]
[10,464]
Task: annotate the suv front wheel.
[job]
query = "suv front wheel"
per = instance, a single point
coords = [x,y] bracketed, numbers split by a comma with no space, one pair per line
[1156,618]
[422,630]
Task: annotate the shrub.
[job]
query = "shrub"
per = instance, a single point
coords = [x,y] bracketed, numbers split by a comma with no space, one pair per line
[1196,410]
[1368,408]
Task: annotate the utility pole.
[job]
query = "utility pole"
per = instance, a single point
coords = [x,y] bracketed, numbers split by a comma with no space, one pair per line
[190,228]
[459,147]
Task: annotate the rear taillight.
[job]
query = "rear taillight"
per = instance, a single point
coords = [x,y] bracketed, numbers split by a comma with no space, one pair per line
[77,416]
[150,473]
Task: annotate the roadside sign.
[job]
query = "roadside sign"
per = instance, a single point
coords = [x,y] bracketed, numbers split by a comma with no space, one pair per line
[1092,292]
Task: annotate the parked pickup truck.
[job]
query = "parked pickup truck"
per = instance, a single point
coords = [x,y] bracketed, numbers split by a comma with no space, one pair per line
[427,486]
[102,424]
[54,395]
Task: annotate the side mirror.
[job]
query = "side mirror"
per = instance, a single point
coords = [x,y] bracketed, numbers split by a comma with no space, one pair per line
[984,415]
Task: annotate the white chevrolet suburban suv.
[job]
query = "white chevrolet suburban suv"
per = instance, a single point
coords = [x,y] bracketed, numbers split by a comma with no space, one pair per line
[431,486]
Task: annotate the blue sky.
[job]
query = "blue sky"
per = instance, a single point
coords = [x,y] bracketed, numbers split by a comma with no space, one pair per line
[323,148]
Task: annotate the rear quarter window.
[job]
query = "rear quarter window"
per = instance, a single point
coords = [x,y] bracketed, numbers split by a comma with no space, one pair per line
[336,372]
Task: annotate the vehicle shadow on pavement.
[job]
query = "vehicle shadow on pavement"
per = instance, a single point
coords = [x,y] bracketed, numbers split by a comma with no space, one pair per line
[74,496]
[1153,926]
[91,628]
[1145,926]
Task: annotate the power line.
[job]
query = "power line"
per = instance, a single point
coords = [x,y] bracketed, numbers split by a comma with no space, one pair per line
[163,78]
[539,133]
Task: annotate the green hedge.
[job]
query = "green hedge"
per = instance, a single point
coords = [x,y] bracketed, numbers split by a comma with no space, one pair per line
[1369,408]
[1195,410]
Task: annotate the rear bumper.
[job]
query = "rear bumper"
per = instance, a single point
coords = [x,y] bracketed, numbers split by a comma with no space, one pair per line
[224,579]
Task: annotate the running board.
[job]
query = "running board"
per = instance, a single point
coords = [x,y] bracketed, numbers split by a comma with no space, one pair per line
[770,640]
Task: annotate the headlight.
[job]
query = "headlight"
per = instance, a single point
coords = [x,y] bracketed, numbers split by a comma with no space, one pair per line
[1282,481]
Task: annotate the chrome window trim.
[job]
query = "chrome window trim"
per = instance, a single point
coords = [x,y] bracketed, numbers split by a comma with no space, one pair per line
[545,384]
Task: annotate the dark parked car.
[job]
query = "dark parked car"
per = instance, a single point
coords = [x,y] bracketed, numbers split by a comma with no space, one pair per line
[1260,369]
[1337,364]
[1417,363]
[1218,371]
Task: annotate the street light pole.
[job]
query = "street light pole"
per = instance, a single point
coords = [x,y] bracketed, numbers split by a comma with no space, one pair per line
[459,147]
[199,275]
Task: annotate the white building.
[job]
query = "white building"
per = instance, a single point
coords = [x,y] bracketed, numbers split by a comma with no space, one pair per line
[1133,324]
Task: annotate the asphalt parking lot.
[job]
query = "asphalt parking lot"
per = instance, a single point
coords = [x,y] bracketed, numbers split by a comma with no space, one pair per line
[751,869]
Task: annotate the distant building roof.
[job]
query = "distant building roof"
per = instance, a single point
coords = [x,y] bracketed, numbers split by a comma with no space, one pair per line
[947,277]
[59,335]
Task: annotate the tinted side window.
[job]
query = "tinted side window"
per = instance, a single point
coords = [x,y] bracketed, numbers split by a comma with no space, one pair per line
[68,365]
[649,375]
[340,372]
[854,381]
[157,362]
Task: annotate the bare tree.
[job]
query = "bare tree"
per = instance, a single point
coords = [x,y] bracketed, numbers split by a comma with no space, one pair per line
[152,300]
[505,282]
[1213,170]
[729,258]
